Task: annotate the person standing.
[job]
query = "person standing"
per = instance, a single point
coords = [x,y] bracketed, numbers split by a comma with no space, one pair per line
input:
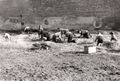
[113,37]
[40,30]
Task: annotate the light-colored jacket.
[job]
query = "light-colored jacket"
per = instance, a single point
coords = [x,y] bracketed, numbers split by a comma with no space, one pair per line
[7,36]
[58,34]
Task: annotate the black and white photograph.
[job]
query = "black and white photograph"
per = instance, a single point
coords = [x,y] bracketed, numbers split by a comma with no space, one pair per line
[59,40]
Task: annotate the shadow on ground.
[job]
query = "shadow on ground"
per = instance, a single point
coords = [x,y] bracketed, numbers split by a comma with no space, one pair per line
[36,39]
[114,51]
[78,53]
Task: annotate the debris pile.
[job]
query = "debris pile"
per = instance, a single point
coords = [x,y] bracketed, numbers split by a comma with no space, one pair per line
[113,45]
[40,46]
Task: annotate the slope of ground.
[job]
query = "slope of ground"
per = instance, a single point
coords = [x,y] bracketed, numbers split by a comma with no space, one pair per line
[63,62]
[69,22]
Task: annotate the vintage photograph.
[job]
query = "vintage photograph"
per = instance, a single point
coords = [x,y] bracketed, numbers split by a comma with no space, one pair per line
[59,40]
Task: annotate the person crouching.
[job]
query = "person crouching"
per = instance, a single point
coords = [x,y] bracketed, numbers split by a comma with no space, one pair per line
[27,30]
[85,34]
[57,38]
[70,36]
[6,36]
[44,34]
[99,39]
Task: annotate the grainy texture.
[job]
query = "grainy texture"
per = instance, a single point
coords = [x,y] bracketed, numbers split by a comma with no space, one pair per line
[24,57]
[63,62]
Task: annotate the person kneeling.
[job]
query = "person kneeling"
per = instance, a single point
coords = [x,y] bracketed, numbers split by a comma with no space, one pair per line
[56,39]
[70,36]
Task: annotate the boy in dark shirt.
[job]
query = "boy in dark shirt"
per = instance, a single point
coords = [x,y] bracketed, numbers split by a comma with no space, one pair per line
[99,39]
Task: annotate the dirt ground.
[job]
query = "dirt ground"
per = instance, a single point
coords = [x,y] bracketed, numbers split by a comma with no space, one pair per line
[63,62]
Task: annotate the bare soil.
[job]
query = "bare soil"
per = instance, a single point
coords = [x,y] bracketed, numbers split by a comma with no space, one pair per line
[63,62]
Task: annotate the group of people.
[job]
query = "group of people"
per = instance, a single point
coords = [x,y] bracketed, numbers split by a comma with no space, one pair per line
[64,35]
[84,33]
[58,37]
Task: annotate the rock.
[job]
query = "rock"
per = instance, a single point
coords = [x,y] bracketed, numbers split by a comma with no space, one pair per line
[41,46]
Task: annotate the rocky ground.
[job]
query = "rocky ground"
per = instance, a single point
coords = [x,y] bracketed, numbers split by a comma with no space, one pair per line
[62,62]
